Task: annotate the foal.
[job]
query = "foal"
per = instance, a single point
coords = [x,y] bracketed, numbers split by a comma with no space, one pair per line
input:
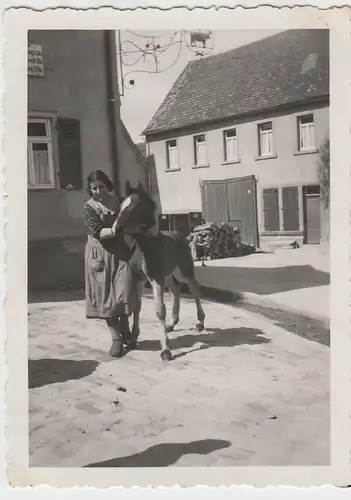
[163,257]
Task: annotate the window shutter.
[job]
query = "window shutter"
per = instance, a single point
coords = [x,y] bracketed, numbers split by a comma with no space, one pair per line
[290,197]
[271,209]
[70,157]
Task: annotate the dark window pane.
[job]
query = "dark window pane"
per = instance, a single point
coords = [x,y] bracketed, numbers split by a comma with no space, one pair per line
[290,197]
[200,138]
[39,146]
[271,220]
[271,209]
[36,129]
[306,119]
[266,126]
[313,190]
[291,220]
[230,133]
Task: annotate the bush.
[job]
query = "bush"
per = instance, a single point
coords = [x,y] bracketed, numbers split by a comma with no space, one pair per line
[323,170]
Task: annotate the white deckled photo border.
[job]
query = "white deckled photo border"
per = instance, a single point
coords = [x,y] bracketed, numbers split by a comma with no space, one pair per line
[16,24]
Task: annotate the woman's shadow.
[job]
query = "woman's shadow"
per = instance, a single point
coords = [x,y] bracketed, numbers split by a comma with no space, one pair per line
[212,337]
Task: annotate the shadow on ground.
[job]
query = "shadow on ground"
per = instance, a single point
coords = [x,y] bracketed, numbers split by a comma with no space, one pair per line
[214,337]
[299,324]
[69,295]
[51,371]
[263,281]
[165,454]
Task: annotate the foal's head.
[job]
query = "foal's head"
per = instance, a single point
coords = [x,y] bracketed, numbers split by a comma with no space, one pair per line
[137,210]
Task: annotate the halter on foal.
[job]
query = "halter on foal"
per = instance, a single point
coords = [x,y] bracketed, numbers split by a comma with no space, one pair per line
[165,259]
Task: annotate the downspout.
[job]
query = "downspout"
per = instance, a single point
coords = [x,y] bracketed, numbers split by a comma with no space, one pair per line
[113,102]
[148,167]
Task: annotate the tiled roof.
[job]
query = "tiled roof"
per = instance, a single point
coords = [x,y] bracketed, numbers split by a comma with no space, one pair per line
[286,68]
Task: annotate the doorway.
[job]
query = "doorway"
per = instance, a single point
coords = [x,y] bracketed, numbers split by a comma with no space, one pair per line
[312,214]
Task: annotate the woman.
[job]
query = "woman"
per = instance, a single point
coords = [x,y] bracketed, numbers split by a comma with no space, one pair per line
[111,287]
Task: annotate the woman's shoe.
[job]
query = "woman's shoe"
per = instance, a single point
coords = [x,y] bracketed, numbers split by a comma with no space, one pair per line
[116,350]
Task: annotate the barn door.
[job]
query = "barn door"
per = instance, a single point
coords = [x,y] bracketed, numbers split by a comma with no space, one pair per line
[214,201]
[232,200]
[241,195]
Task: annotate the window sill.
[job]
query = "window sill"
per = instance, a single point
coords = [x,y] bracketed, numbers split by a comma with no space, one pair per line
[172,169]
[306,152]
[282,233]
[266,157]
[231,162]
[42,188]
[200,166]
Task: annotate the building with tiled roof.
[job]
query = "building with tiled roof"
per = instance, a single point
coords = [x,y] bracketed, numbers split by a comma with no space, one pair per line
[268,100]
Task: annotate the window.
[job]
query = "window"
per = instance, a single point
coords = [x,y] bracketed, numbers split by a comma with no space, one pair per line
[230,145]
[172,154]
[40,160]
[265,134]
[306,133]
[281,209]
[200,150]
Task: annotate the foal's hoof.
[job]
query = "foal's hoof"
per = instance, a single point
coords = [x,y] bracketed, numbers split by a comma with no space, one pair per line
[166,355]
[199,327]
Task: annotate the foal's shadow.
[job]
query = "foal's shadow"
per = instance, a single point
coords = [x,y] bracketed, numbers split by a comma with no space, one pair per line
[212,337]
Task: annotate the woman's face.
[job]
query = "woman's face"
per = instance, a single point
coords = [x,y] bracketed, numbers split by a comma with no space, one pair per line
[99,190]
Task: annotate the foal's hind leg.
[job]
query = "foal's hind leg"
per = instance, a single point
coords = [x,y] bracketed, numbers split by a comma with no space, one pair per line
[194,288]
[174,288]
[158,288]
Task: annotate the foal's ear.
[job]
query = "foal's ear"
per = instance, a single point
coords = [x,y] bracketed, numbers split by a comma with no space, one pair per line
[128,188]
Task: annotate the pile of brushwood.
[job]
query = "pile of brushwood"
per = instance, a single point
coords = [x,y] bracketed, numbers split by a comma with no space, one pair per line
[217,241]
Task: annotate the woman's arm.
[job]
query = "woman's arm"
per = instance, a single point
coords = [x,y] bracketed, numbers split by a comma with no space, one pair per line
[94,225]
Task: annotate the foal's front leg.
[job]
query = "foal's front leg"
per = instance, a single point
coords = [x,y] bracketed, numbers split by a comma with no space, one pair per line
[158,288]
[136,314]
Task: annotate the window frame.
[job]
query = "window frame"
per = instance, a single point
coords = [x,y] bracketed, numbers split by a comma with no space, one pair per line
[48,140]
[300,126]
[225,145]
[281,230]
[168,147]
[196,162]
[260,134]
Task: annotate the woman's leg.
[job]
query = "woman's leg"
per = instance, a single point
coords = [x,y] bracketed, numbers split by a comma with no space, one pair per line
[116,349]
[124,328]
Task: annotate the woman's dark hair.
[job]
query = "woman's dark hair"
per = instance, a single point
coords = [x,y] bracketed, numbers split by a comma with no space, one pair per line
[99,175]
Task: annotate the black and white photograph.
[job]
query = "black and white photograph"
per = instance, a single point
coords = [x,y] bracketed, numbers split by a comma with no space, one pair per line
[178,200]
